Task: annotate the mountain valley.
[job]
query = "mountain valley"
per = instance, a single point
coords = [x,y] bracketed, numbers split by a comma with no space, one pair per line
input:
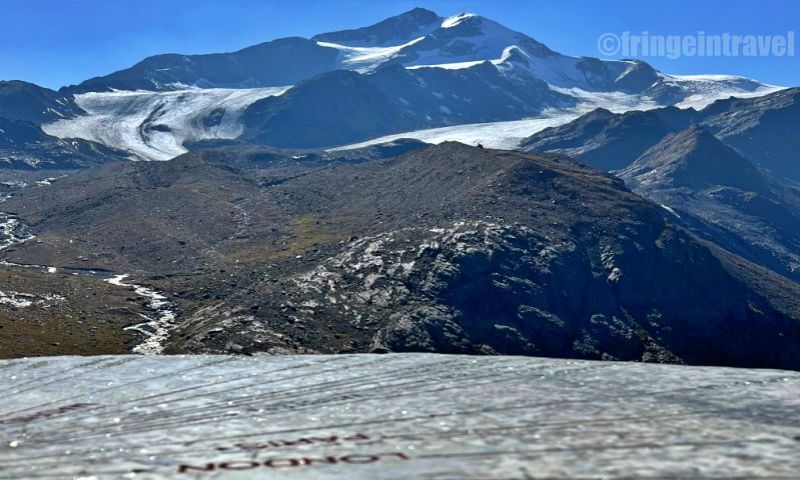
[307,196]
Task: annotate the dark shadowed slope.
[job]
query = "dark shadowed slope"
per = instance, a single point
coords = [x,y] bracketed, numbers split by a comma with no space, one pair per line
[732,176]
[738,206]
[344,107]
[610,141]
[762,129]
[280,62]
[26,101]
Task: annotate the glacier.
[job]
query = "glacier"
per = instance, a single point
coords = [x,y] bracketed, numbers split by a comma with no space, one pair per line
[508,134]
[156,125]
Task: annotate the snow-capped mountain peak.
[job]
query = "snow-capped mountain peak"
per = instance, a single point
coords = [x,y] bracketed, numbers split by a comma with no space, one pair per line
[457,19]
[429,71]
[392,32]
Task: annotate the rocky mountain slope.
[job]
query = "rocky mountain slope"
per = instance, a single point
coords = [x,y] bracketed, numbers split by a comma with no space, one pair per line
[763,129]
[399,254]
[738,206]
[760,128]
[693,159]
[26,101]
[729,175]
[610,141]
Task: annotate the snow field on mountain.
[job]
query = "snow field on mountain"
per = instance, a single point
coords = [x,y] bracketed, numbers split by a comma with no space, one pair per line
[508,134]
[503,135]
[155,125]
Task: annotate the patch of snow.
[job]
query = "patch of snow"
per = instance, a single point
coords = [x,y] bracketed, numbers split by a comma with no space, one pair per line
[13,232]
[45,183]
[706,89]
[16,299]
[617,102]
[451,22]
[25,300]
[488,44]
[615,275]
[670,210]
[364,59]
[449,66]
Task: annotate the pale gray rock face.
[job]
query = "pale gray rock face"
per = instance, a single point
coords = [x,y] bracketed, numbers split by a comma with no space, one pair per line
[393,416]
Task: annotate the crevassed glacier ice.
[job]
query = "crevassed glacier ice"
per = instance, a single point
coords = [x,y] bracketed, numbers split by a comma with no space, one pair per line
[155,125]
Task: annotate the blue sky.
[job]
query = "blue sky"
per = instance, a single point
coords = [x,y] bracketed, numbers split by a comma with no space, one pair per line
[57,42]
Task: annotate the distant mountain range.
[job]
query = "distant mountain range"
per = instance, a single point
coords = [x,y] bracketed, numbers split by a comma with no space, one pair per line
[411,72]
[416,39]
[760,128]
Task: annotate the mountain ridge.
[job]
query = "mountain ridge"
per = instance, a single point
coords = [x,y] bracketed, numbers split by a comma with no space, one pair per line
[407,243]
[436,71]
[702,165]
